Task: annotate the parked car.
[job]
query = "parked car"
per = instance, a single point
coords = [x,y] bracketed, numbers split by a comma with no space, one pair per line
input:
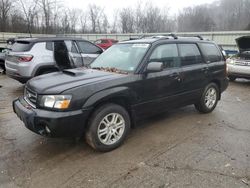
[239,64]
[130,81]
[30,57]
[105,43]
[2,58]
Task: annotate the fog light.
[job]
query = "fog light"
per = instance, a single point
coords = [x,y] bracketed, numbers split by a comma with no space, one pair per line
[47,129]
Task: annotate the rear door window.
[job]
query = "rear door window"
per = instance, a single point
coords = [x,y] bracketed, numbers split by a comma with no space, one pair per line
[88,48]
[211,52]
[167,54]
[21,46]
[190,54]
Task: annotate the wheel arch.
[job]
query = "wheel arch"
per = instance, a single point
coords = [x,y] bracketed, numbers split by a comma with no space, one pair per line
[122,96]
[217,82]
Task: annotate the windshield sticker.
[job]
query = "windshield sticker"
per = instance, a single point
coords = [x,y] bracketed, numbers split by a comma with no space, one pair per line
[131,68]
[140,45]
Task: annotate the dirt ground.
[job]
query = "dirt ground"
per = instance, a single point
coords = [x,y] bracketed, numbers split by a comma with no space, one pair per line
[181,148]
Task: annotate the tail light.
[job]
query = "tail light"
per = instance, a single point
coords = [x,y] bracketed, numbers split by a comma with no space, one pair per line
[25,58]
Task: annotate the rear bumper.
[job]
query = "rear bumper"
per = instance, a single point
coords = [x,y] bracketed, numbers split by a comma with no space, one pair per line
[238,71]
[50,123]
[17,76]
[224,84]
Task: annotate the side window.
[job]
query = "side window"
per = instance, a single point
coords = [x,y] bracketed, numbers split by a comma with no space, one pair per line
[88,48]
[105,41]
[211,52]
[189,54]
[167,54]
[49,46]
[71,46]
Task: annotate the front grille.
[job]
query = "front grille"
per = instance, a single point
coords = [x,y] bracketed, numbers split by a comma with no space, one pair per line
[30,96]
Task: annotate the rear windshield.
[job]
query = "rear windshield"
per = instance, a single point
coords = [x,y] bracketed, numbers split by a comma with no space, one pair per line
[21,46]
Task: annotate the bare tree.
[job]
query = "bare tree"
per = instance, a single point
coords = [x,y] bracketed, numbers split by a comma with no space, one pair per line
[5,7]
[30,11]
[94,13]
[127,20]
[83,22]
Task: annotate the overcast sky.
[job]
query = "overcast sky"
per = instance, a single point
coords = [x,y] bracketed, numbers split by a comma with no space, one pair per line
[111,5]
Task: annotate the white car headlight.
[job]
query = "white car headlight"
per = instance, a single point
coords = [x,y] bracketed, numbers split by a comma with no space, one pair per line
[230,61]
[56,101]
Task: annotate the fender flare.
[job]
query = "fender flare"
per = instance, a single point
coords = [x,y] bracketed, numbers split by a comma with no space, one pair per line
[108,94]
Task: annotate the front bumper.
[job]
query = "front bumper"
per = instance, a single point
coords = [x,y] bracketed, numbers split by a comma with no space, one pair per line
[50,123]
[239,71]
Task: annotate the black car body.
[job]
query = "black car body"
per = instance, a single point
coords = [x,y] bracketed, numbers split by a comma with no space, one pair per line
[2,57]
[146,90]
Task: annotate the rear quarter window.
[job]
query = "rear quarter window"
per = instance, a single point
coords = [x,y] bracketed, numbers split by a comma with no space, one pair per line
[211,52]
[21,46]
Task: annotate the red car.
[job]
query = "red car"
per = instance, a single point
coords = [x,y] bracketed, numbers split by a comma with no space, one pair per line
[105,43]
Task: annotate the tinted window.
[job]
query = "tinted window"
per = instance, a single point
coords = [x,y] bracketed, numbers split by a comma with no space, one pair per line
[49,46]
[105,41]
[21,46]
[71,46]
[211,52]
[88,48]
[190,54]
[167,54]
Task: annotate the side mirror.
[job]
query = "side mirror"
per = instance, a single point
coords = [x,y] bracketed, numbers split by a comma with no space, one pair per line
[154,67]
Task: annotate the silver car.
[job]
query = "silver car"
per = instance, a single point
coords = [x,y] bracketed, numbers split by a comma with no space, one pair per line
[239,65]
[30,57]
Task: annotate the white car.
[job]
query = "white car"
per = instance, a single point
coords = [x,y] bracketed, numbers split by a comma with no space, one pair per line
[30,57]
[239,65]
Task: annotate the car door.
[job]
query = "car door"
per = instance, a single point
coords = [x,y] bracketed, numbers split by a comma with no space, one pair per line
[194,72]
[89,51]
[158,91]
[61,55]
[74,55]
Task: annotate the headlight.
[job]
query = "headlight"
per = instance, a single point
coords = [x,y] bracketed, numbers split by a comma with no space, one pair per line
[55,101]
[230,61]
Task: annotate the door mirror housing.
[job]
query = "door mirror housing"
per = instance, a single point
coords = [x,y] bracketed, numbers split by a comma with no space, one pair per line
[154,67]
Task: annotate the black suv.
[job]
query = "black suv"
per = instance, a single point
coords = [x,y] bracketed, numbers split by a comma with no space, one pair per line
[131,80]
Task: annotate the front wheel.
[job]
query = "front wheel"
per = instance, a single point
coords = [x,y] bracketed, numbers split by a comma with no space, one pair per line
[108,127]
[209,99]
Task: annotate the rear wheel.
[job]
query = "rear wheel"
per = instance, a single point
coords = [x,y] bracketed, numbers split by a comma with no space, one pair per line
[232,78]
[108,127]
[209,99]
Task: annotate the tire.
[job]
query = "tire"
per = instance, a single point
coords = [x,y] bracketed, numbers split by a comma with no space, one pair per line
[204,106]
[101,135]
[232,78]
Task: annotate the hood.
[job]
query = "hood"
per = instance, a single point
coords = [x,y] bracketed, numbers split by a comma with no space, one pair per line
[56,83]
[243,43]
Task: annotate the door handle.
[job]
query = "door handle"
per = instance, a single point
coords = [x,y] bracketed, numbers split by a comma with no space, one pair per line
[205,69]
[175,76]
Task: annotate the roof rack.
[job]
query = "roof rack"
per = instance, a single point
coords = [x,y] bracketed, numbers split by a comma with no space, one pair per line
[200,37]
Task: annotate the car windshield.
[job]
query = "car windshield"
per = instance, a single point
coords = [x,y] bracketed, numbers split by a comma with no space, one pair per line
[123,57]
